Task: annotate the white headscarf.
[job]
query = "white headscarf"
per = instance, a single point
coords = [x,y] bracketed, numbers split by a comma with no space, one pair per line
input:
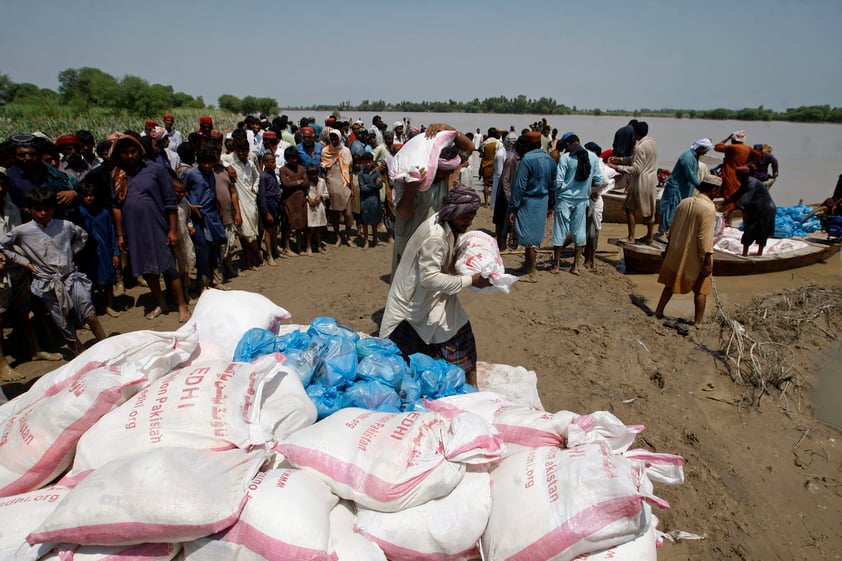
[702,143]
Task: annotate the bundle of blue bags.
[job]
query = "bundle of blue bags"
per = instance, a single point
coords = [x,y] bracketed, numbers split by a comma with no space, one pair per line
[788,222]
[339,368]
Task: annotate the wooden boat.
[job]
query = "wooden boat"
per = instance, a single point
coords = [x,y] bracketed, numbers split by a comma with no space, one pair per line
[643,258]
[612,209]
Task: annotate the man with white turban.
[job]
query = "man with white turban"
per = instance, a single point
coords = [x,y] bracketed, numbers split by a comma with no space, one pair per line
[423,313]
[685,177]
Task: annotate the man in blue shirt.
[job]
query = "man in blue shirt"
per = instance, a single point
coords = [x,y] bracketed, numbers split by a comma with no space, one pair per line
[681,183]
[578,170]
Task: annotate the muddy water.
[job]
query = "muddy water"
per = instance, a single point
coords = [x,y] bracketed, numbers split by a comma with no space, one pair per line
[827,394]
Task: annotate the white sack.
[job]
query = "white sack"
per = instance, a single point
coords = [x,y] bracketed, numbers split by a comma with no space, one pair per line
[345,543]
[392,461]
[477,252]
[555,504]
[212,405]
[160,496]
[221,318]
[20,515]
[37,443]
[418,153]
[150,353]
[514,382]
[287,516]
[445,529]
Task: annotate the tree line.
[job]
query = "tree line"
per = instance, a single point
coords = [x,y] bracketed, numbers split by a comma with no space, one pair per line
[86,88]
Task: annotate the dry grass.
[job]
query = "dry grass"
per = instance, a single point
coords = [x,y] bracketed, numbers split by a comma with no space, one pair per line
[759,341]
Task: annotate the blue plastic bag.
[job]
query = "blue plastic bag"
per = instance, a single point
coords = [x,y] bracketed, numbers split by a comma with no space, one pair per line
[255,343]
[373,394]
[374,345]
[410,390]
[338,364]
[330,327]
[437,377]
[388,369]
[326,400]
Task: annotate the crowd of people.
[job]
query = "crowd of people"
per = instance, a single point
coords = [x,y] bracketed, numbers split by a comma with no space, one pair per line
[81,218]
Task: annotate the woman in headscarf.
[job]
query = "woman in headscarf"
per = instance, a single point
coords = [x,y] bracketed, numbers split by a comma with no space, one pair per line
[336,162]
[146,220]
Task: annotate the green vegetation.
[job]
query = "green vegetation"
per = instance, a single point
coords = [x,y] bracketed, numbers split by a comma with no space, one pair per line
[92,99]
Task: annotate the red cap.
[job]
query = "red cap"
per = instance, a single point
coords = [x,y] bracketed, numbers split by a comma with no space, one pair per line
[205,120]
[67,139]
[151,123]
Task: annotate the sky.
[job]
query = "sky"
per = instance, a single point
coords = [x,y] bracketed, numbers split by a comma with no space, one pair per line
[608,54]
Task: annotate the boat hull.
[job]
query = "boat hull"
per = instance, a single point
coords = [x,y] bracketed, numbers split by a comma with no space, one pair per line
[643,258]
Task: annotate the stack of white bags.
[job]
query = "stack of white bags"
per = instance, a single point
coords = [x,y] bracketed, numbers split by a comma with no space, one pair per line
[154,446]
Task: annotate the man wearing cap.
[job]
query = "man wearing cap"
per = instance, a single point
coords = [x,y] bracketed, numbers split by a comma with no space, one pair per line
[173,135]
[578,170]
[148,125]
[309,151]
[688,259]
[273,144]
[30,173]
[737,154]
[72,162]
[682,181]
[205,130]
[164,155]
[399,129]
[532,200]
[423,313]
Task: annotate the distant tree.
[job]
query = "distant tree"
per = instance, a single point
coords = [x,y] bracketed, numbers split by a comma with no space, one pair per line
[230,103]
[89,86]
[679,114]
[692,113]
[6,84]
[597,111]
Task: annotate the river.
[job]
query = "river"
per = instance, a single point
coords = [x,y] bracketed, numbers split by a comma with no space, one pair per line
[809,154]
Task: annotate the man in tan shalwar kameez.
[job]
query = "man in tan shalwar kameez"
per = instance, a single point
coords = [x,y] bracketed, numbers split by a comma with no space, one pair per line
[688,262]
[642,168]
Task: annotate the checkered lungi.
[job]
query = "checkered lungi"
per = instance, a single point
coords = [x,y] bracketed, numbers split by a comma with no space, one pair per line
[461,349]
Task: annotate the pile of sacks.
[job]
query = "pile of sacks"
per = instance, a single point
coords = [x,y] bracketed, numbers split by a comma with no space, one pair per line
[157,446]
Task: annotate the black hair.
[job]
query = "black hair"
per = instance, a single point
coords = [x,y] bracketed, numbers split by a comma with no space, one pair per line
[240,143]
[449,152]
[86,189]
[85,137]
[641,128]
[312,167]
[290,151]
[186,152]
[368,156]
[102,148]
[194,138]
[40,197]
[266,155]
[206,154]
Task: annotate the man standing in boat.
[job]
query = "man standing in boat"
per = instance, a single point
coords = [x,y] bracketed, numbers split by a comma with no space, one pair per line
[688,259]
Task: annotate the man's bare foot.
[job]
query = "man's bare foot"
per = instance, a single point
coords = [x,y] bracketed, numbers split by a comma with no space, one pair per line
[44,355]
[8,374]
[111,312]
[157,311]
[183,315]
[529,277]
[574,271]
[628,240]
[271,262]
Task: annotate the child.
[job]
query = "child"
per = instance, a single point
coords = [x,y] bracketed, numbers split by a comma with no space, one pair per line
[371,209]
[48,247]
[270,206]
[184,252]
[356,166]
[316,215]
[99,260]
[14,289]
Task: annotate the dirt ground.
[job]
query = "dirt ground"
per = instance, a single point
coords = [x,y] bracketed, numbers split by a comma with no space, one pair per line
[762,483]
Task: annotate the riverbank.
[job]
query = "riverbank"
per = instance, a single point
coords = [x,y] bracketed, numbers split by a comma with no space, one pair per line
[761,483]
